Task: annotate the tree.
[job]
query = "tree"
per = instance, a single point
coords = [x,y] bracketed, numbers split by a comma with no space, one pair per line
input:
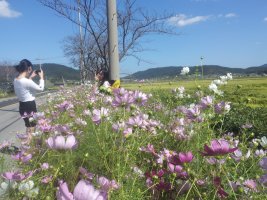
[133,25]
[7,71]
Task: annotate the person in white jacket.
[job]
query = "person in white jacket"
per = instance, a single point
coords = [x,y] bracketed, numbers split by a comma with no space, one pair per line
[25,89]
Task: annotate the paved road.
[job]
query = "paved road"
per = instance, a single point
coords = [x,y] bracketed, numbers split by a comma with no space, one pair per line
[10,120]
[10,123]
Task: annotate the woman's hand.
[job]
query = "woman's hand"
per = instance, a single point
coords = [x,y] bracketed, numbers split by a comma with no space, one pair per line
[33,74]
[41,74]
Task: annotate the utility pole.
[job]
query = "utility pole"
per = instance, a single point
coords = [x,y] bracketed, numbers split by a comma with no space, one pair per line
[82,70]
[114,68]
[201,62]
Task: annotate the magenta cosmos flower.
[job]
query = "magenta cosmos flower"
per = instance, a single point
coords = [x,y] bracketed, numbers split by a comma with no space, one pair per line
[185,157]
[82,191]
[218,147]
[61,142]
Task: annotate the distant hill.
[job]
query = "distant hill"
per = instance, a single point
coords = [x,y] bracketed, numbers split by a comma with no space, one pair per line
[53,72]
[208,70]
[56,72]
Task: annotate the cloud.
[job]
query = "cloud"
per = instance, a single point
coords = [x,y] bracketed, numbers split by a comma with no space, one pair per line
[183,20]
[230,15]
[265,19]
[6,11]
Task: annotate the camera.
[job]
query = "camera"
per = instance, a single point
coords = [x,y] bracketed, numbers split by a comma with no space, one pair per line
[37,71]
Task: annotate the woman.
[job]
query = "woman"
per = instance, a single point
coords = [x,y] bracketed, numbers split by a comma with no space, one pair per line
[103,76]
[25,90]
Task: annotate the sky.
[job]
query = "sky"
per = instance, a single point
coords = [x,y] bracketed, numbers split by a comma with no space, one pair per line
[230,33]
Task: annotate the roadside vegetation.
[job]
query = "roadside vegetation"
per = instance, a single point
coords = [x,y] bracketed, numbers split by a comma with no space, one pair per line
[200,139]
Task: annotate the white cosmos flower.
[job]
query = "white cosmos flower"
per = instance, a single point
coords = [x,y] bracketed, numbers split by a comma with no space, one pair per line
[26,187]
[213,87]
[229,76]
[263,142]
[185,70]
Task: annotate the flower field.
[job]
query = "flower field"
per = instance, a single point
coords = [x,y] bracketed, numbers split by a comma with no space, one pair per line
[174,143]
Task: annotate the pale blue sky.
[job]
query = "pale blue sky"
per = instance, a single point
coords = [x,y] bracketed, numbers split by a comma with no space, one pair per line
[230,33]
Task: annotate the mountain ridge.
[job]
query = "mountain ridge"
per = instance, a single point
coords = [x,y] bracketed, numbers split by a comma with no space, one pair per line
[208,70]
[53,72]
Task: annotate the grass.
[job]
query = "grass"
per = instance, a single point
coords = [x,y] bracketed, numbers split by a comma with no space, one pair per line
[249,90]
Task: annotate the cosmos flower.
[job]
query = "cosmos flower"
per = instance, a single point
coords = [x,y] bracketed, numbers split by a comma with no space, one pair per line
[218,147]
[65,106]
[206,102]
[185,157]
[61,142]
[222,107]
[250,184]
[185,70]
[22,156]
[263,163]
[106,184]
[16,176]
[263,142]
[84,190]
[263,180]
[99,115]
[140,98]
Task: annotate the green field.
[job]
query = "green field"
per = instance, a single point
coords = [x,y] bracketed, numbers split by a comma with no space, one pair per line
[251,91]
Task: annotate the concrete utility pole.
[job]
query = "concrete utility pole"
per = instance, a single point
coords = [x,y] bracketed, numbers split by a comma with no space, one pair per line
[82,68]
[114,69]
[201,62]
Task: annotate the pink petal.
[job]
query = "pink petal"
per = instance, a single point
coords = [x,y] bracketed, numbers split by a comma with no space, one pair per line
[60,142]
[71,142]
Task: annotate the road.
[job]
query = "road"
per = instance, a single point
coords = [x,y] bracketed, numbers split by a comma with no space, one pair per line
[10,123]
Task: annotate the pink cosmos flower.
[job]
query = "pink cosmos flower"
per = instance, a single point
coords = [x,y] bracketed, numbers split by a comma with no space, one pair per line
[119,126]
[16,176]
[47,179]
[213,161]
[140,98]
[106,184]
[65,106]
[186,157]
[22,136]
[99,115]
[218,147]
[122,98]
[222,107]
[44,125]
[263,163]
[206,102]
[63,192]
[82,191]
[149,149]
[174,168]
[61,142]
[62,128]
[136,121]
[263,180]
[22,156]
[86,174]
[45,166]
[250,184]
[127,132]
